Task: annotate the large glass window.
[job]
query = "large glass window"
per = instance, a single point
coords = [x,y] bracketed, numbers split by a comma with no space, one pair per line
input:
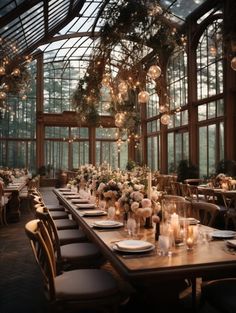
[178,149]
[209,84]
[60,80]
[17,128]
[210,62]
[66,148]
[153,148]
[177,79]
[112,147]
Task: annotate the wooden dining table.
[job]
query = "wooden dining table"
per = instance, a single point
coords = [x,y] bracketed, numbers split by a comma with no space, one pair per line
[207,258]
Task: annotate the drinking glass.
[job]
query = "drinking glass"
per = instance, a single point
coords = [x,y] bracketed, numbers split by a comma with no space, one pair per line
[131,226]
[111,212]
[164,244]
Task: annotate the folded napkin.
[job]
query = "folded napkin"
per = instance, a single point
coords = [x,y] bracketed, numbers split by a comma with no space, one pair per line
[133,245]
[85,205]
[94,213]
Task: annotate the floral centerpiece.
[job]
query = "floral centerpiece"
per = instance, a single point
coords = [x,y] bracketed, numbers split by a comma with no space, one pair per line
[6,176]
[131,198]
[110,191]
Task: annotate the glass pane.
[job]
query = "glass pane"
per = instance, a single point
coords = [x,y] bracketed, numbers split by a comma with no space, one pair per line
[203,155]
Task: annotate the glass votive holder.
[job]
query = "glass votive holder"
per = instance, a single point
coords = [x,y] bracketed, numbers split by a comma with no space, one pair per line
[164,244]
[190,237]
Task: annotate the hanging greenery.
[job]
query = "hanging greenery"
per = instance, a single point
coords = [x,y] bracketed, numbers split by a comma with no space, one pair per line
[134,34]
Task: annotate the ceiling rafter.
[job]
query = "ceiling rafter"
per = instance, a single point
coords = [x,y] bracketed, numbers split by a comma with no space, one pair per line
[49,35]
[22,8]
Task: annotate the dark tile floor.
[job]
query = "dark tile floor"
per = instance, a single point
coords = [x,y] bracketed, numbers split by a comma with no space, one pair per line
[21,288]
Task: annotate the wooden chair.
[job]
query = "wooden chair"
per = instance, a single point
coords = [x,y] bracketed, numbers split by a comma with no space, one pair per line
[193,181]
[60,219]
[182,205]
[205,212]
[229,198]
[62,237]
[71,290]
[218,296]
[73,255]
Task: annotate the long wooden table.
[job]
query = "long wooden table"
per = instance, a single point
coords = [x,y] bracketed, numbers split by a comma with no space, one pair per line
[206,259]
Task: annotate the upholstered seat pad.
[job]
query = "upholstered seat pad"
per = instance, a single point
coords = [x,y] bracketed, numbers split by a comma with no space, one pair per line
[54,207]
[58,215]
[221,294]
[71,235]
[65,224]
[85,284]
[83,250]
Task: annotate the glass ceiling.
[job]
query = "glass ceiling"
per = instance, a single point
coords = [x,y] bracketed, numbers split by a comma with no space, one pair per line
[31,24]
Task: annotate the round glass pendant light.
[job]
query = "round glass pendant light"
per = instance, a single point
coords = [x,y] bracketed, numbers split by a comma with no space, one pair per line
[165,119]
[2,71]
[106,80]
[15,72]
[154,71]
[233,63]
[2,95]
[143,97]
[119,119]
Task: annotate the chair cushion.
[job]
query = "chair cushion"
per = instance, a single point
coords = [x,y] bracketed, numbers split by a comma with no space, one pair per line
[71,235]
[65,224]
[221,294]
[58,215]
[85,284]
[54,207]
[80,252]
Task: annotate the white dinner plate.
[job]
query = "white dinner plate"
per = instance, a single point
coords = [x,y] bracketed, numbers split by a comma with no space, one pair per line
[94,213]
[107,224]
[223,234]
[133,246]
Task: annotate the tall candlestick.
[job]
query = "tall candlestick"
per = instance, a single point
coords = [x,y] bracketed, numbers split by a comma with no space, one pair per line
[149,185]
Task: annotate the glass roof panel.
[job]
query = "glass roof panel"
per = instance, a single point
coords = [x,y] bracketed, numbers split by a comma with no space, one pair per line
[181,8]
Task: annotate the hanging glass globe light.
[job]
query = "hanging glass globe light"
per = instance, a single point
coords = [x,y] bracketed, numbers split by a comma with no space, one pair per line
[119,119]
[106,80]
[143,97]
[165,119]
[15,72]
[2,95]
[154,71]
[122,87]
[2,71]
[233,63]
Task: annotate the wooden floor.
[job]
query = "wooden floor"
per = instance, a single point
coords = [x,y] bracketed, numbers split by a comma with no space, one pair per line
[21,288]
